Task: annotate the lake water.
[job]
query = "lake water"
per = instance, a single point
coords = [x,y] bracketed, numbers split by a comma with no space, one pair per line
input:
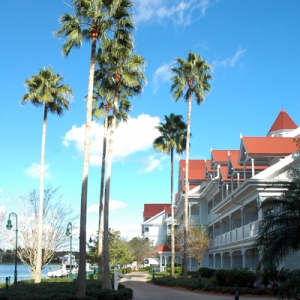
[23,273]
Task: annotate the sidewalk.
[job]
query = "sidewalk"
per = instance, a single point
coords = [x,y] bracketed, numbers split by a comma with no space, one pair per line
[143,291]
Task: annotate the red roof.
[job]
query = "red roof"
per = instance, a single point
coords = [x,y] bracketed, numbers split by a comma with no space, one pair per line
[161,248]
[283,121]
[196,172]
[150,210]
[220,156]
[270,146]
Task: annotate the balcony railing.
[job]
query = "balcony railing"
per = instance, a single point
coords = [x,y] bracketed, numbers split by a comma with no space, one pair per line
[238,234]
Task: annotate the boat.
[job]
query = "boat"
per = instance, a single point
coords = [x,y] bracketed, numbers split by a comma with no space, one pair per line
[64,269]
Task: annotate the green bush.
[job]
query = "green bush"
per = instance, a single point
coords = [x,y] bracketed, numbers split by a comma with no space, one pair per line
[61,289]
[206,272]
[224,277]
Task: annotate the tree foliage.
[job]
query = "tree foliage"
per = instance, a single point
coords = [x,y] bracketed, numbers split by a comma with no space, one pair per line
[141,248]
[279,231]
[119,250]
[198,241]
[56,214]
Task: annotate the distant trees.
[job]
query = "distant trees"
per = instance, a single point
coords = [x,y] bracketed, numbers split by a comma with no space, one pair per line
[56,214]
[190,78]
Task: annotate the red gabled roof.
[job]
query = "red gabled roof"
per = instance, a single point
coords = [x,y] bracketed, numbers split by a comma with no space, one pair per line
[220,156]
[196,172]
[150,210]
[161,248]
[283,121]
[269,146]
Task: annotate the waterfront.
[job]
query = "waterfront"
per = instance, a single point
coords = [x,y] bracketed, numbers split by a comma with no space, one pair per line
[7,270]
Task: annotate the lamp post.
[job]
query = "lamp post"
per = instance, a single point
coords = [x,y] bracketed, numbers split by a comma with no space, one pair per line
[9,227]
[69,233]
[92,240]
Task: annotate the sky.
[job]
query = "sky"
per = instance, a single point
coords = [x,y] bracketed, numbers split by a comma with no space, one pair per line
[252,46]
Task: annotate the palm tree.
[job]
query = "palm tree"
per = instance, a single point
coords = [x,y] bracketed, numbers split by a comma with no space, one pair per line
[173,135]
[45,88]
[91,21]
[125,69]
[191,76]
[103,103]
[279,231]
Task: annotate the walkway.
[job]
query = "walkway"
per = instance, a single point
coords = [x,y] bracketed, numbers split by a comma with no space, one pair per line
[143,290]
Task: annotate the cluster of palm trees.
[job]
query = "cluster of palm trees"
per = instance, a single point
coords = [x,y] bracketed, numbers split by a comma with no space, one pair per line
[116,73]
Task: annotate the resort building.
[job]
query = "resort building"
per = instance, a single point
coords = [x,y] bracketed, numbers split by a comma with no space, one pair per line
[225,192]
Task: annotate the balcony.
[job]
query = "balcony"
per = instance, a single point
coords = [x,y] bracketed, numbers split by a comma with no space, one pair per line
[238,234]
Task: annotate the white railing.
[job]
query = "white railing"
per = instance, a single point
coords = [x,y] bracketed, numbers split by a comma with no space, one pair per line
[238,234]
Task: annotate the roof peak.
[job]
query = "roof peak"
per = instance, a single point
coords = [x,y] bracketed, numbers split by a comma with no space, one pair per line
[283,122]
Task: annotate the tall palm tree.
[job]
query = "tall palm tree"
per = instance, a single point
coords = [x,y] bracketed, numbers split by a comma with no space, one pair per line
[125,69]
[191,77]
[279,231]
[103,104]
[91,21]
[45,88]
[173,136]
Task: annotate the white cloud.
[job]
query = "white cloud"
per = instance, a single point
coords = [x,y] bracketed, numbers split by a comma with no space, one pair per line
[160,75]
[34,171]
[113,205]
[128,231]
[151,162]
[230,62]
[179,11]
[137,134]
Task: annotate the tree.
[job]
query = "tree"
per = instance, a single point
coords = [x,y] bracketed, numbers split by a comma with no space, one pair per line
[103,102]
[198,242]
[191,76]
[91,21]
[279,231]
[141,249]
[125,69]
[45,89]
[173,135]
[119,250]
[56,216]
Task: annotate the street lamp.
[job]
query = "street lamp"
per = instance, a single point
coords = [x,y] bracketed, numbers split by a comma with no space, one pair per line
[9,227]
[69,233]
[92,240]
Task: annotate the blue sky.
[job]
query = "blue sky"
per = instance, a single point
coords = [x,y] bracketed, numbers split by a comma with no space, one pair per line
[252,46]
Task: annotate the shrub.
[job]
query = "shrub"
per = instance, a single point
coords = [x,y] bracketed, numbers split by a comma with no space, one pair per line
[206,272]
[224,277]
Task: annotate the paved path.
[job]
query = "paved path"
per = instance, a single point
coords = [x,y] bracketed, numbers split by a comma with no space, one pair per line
[143,290]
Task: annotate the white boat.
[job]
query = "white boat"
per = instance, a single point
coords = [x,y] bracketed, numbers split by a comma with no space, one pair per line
[64,269]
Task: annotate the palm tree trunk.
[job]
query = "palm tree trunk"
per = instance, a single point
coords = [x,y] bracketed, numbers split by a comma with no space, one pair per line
[106,278]
[172,219]
[81,280]
[186,198]
[100,233]
[38,274]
